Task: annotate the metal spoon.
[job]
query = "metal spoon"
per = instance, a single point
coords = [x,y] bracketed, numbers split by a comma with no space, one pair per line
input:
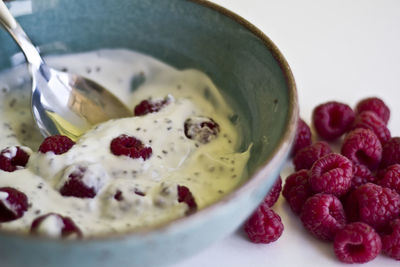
[62,103]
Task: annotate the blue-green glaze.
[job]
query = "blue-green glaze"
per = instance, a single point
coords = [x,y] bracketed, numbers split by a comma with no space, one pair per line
[243,62]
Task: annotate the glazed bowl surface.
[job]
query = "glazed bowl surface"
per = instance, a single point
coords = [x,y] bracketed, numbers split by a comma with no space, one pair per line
[241,61]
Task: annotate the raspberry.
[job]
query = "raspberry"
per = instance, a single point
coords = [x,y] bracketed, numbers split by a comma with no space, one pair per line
[118,196]
[391,239]
[13,204]
[357,243]
[305,158]
[185,196]
[363,147]
[201,129]
[361,175]
[391,152]
[375,105]
[150,106]
[55,225]
[297,190]
[323,215]
[82,180]
[302,138]
[130,146]
[13,158]
[372,204]
[58,144]
[369,120]
[264,225]
[274,193]
[331,174]
[390,177]
[332,119]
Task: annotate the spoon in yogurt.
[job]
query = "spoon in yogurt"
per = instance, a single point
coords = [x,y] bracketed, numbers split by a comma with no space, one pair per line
[62,103]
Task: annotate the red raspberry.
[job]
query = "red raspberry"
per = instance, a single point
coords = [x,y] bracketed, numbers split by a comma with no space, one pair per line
[357,243]
[118,196]
[323,215]
[264,225]
[361,175]
[297,190]
[390,177]
[375,105]
[201,129]
[391,239]
[369,120]
[150,106]
[80,182]
[13,204]
[65,227]
[363,147]
[305,158]
[331,174]
[372,204]
[13,158]
[391,152]
[332,119]
[130,146]
[274,193]
[302,138]
[58,144]
[185,196]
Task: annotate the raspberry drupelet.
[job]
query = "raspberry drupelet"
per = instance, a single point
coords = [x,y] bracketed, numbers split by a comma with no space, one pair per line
[363,147]
[391,239]
[375,105]
[302,138]
[390,177]
[264,225]
[61,226]
[186,196]
[273,194]
[297,190]
[332,119]
[372,204]
[201,129]
[361,175]
[13,158]
[305,158]
[150,106]
[331,174]
[130,146]
[391,152]
[369,120]
[58,144]
[323,215]
[357,243]
[13,204]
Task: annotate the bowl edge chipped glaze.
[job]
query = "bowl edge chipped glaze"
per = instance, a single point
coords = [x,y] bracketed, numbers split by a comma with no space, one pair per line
[181,238]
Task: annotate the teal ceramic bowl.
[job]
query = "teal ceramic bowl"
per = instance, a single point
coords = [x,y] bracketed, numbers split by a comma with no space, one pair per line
[241,61]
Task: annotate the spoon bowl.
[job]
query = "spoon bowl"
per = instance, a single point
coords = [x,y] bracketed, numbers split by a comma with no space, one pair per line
[62,103]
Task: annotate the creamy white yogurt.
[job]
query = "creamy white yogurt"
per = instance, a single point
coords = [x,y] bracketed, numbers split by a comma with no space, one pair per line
[149,187]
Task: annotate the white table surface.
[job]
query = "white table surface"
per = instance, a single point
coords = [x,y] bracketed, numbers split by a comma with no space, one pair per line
[338,50]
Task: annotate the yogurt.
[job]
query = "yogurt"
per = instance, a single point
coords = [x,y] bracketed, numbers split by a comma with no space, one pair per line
[131,193]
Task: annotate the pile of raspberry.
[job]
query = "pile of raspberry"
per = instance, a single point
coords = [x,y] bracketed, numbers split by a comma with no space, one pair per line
[349,197]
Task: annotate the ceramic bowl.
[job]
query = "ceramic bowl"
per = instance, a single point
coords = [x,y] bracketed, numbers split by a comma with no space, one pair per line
[241,61]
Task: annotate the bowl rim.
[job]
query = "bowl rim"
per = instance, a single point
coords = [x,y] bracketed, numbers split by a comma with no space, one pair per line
[279,153]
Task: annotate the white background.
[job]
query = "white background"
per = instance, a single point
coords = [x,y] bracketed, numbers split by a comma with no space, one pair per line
[340,50]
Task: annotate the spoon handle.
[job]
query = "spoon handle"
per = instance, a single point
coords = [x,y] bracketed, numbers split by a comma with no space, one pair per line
[6,16]
[8,21]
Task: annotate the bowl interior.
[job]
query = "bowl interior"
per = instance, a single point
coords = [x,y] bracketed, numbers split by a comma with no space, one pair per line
[183,34]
